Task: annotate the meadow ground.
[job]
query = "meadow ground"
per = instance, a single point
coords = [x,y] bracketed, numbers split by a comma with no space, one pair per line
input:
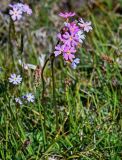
[88,100]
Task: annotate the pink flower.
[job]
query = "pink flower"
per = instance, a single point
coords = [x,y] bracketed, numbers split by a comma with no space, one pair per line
[59,49]
[59,35]
[86,26]
[68,53]
[70,39]
[73,28]
[67,14]
[16,14]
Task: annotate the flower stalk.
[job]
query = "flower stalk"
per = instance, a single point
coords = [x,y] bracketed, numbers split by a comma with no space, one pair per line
[53,86]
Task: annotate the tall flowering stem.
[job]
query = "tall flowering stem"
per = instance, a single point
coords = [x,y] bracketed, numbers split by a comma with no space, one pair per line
[42,77]
[22,49]
[10,47]
[52,57]
[43,95]
[53,85]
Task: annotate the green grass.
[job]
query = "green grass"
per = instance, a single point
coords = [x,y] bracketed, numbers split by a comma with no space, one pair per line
[89,99]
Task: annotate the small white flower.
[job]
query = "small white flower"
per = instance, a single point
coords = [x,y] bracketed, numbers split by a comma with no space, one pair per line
[86,26]
[30,97]
[18,100]
[15,79]
[27,66]
[81,36]
[66,24]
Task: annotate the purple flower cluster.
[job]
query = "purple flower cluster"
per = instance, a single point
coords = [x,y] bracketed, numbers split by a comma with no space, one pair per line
[70,38]
[17,10]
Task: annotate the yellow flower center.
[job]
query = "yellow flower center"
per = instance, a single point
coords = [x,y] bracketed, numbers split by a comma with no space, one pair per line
[15,13]
[68,52]
[71,38]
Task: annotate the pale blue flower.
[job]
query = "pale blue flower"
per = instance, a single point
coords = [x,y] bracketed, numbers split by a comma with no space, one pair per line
[18,9]
[27,9]
[15,79]
[18,100]
[75,62]
[30,97]
[16,14]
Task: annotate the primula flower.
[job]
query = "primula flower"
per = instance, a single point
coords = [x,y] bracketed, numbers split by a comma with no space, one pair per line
[17,5]
[16,14]
[70,39]
[68,53]
[73,28]
[15,79]
[18,9]
[71,34]
[75,62]
[29,97]
[58,50]
[18,100]
[59,35]
[86,26]
[67,14]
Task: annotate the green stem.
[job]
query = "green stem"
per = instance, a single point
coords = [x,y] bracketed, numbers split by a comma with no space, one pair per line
[21,50]
[43,92]
[10,48]
[42,74]
[42,77]
[53,85]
